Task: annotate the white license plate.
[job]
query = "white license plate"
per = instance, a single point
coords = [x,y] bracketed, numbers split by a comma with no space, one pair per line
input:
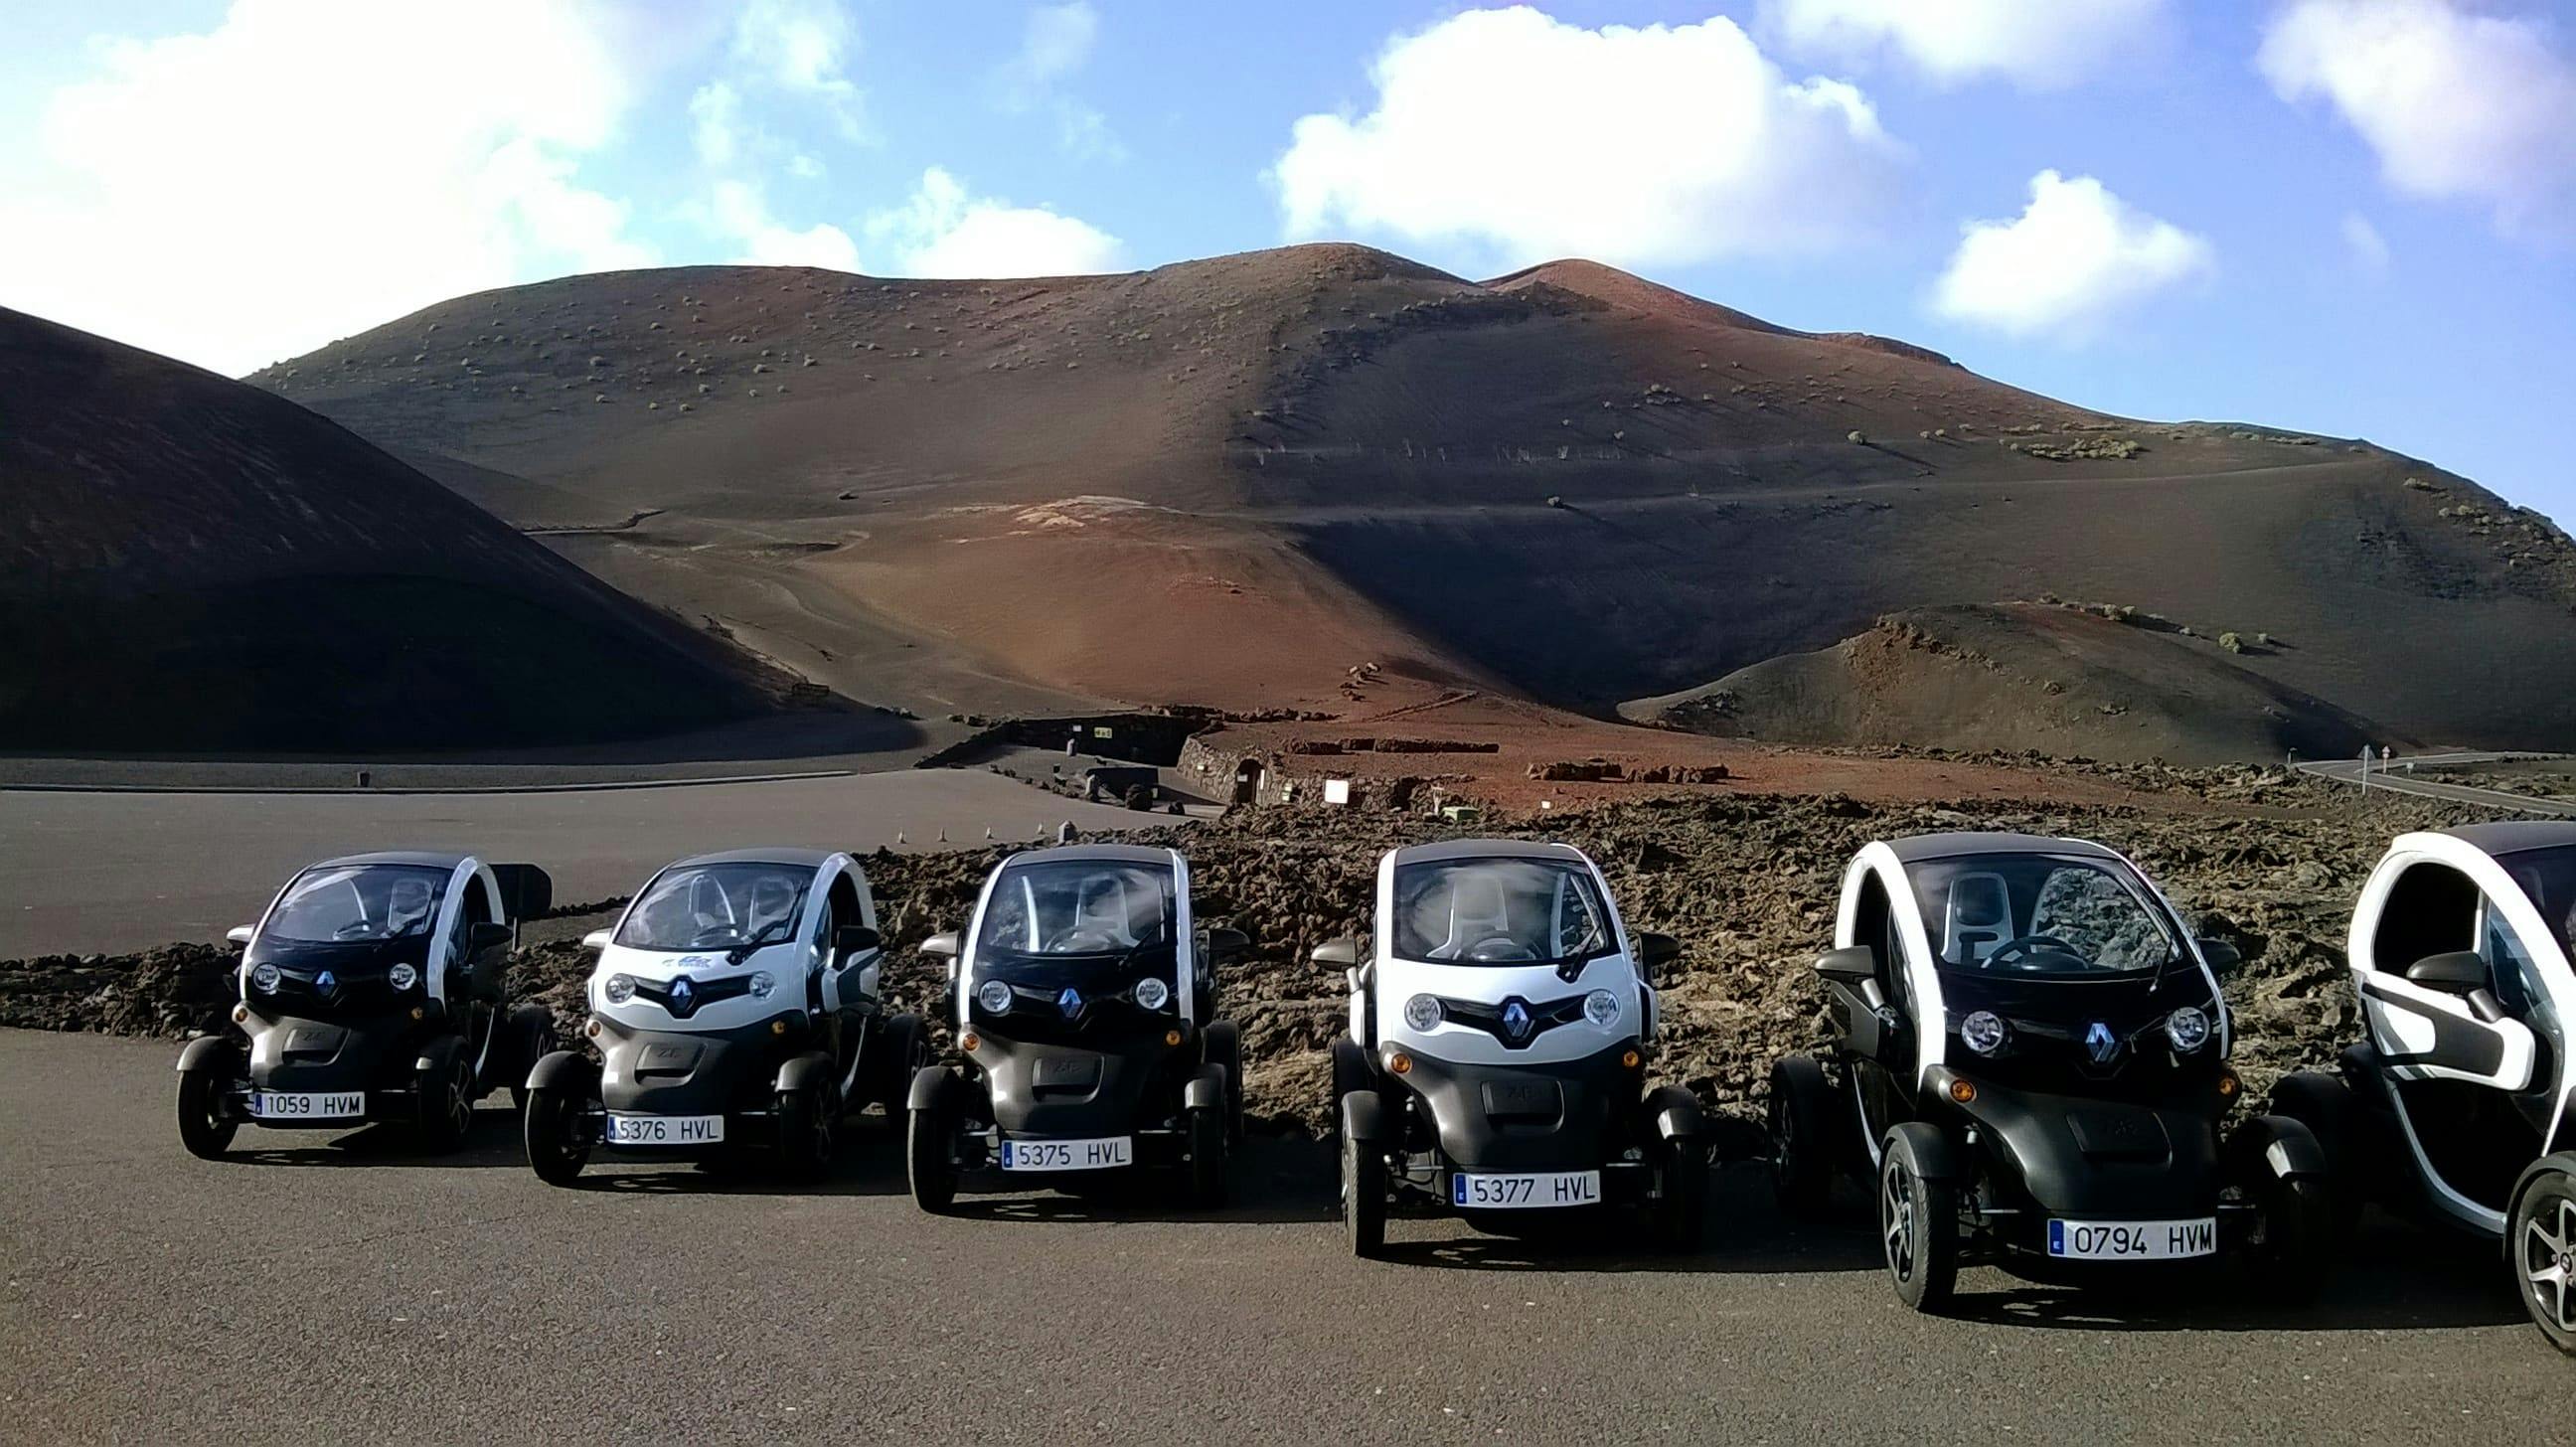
[1524,1192]
[2133,1240]
[1099,1155]
[664,1130]
[308,1105]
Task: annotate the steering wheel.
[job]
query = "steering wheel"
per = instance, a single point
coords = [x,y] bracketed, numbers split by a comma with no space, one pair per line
[2026,945]
[1082,940]
[1499,949]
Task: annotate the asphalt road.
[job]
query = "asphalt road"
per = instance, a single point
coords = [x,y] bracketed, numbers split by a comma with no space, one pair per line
[82,872]
[2393,776]
[336,1287]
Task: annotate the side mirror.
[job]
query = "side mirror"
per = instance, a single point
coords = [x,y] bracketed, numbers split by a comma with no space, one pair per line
[1852,965]
[489,935]
[1336,954]
[1654,951]
[2223,957]
[240,934]
[595,940]
[2457,973]
[851,939]
[1226,944]
[943,943]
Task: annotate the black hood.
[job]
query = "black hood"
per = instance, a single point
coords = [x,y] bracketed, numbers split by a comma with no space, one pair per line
[356,969]
[2054,1043]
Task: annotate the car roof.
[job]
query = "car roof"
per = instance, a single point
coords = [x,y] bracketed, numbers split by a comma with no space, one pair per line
[801,858]
[1970,841]
[1487,849]
[2513,836]
[424,858]
[1076,853]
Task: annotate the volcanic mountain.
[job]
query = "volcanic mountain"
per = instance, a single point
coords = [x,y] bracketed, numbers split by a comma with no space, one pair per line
[191,564]
[1235,481]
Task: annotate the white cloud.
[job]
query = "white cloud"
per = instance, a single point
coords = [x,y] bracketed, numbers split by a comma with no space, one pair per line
[2074,260]
[305,171]
[943,231]
[1055,42]
[801,46]
[715,123]
[2042,44]
[1533,138]
[2369,249]
[2458,105]
[742,212]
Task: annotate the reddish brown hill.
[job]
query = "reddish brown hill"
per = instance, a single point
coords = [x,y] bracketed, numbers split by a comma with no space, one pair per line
[191,564]
[1229,481]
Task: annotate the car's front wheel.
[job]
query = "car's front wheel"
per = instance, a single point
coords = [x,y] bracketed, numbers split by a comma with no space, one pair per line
[2291,1245]
[532,1038]
[557,1128]
[443,1095]
[809,1137]
[1680,1214]
[1918,1219]
[204,1128]
[1364,1196]
[1207,1148]
[929,1155]
[1802,1120]
[903,1047]
[2541,1238]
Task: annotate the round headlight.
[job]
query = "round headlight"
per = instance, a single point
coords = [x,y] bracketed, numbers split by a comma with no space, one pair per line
[993,995]
[1601,1007]
[762,982]
[2187,1028]
[1983,1031]
[402,977]
[1152,993]
[265,977]
[1422,1012]
[617,989]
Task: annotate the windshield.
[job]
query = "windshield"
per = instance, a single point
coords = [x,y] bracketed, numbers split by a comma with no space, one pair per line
[717,906]
[2040,914]
[1078,907]
[1499,911]
[2548,877]
[343,903]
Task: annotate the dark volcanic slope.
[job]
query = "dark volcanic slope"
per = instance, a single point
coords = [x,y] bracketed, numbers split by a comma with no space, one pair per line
[191,564]
[1228,481]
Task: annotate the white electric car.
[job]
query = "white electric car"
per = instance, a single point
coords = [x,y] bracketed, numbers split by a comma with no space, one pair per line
[736,1009]
[1501,1028]
[2456,1107]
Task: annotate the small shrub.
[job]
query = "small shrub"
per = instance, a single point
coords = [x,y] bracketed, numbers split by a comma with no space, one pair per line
[1856,437]
[2231,642]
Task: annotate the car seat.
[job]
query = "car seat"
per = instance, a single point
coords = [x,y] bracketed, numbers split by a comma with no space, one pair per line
[1977,918]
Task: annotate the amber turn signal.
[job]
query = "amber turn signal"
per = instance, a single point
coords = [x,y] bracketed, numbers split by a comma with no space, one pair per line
[1399,1062]
[241,1014]
[591,1029]
[1963,1091]
[968,1041]
[1171,1037]
[777,1027]
[417,1012]
[2228,1084]
[1629,1058]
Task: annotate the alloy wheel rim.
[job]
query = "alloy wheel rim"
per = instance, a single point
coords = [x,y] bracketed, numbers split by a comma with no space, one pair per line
[1896,1220]
[2548,1263]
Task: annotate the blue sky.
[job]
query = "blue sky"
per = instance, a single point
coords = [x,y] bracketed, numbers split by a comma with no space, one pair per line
[2349,216]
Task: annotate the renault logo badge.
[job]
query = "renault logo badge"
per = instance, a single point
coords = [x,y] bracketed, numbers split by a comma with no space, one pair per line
[683,994]
[2101,1043]
[1516,1019]
[326,982]
[1070,1002]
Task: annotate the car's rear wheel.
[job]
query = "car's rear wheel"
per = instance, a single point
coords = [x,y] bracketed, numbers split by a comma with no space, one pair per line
[1802,1124]
[1222,1045]
[203,1127]
[1918,1220]
[2325,1105]
[556,1125]
[531,1038]
[903,1047]
[929,1155]
[2292,1243]
[1207,1147]
[1363,1196]
[2541,1237]
[1680,1214]
[1351,1073]
[443,1096]
[809,1133]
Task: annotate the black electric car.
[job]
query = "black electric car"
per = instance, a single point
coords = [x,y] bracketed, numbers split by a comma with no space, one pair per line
[736,1013]
[2030,1059]
[1085,998]
[374,988]
[2455,1109]
[1501,1029]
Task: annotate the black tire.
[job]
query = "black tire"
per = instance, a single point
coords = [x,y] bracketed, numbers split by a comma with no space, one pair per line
[2296,1235]
[1222,1045]
[443,1095]
[2540,1238]
[1207,1146]
[903,1047]
[2325,1105]
[203,1127]
[1364,1197]
[532,1038]
[1918,1220]
[809,1133]
[929,1156]
[1804,1129]
[1352,1074]
[1680,1213]
[555,1124]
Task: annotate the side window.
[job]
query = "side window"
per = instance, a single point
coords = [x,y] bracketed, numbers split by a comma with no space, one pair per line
[2509,965]
[474,909]
[2432,909]
[1875,926]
